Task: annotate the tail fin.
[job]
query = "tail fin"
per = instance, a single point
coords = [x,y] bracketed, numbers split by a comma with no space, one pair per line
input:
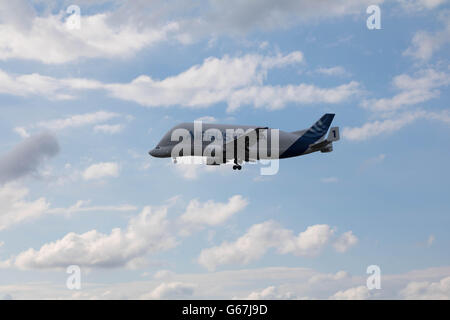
[334,134]
[319,129]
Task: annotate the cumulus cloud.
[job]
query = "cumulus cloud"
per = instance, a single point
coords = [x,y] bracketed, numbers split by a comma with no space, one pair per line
[424,44]
[47,38]
[191,168]
[393,123]
[109,128]
[126,29]
[237,17]
[78,120]
[83,206]
[427,290]
[172,290]
[210,213]
[146,233]
[423,86]
[101,170]
[270,293]
[332,71]
[40,85]
[259,238]
[213,81]
[237,283]
[356,293]
[96,119]
[236,81]
[26,157]
[15,209]
[418,5]
[378,127]
[276,97]
[345,242]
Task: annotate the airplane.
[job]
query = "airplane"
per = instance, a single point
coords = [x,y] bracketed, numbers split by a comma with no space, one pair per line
[244,143]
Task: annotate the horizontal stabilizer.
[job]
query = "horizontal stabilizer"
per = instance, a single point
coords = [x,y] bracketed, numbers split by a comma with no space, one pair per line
[327,144]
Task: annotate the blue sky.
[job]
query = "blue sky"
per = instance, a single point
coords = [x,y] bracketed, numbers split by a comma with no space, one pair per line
[81,108]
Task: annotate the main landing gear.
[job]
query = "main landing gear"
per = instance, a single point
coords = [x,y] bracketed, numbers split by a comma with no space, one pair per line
[236,165]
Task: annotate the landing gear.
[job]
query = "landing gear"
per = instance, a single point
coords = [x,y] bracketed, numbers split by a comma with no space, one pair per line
[236,165]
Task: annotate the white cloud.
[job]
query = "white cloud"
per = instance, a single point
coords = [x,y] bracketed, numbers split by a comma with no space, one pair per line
[15,209]
[212,82]
[96,119]
[427,290]
[239,17]
[378,127]
[210,213]
[172,290]
[413,90]
[39,85]
[236,81]
[332,71]
[356,293]
[191,168]
[163,274]
[21,131]
[394,123]
[345,242]
[373,161]
[329,180]
[234,283]
[101,170]
[276,97]
[126,29]
[329,277]
[207,119]
[146,233]
[259,238]
[78,120]
[109,128]
[270,293]
[419,5]
[82,206]
[47,38]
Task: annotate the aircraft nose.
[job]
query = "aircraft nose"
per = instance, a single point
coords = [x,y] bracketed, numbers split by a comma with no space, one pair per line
[156,152]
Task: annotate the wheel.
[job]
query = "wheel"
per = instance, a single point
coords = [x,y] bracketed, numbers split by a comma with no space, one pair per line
[234,167]
[239,167]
